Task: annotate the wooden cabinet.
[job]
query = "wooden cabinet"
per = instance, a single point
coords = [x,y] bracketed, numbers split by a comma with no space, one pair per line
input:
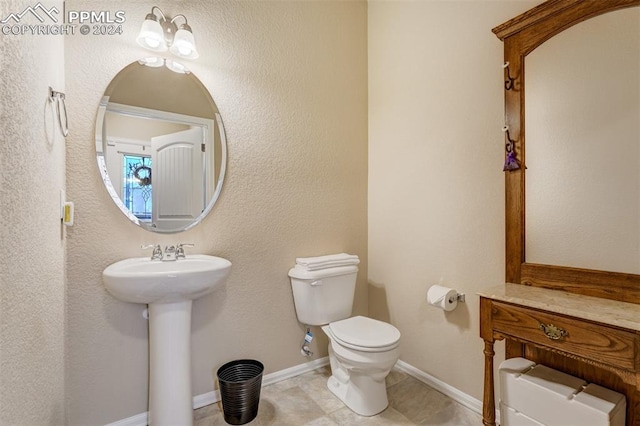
[579,336]
[584,322]
[573,336]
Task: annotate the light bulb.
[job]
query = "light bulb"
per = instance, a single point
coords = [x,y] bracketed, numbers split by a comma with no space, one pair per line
[151,42]
[153,62]
[184,44]
[151,35]
[177,67]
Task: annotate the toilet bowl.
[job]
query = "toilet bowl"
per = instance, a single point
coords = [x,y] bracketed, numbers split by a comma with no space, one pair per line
[362,351]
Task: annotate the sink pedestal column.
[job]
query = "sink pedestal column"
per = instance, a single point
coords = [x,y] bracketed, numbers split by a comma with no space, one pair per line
[170,398]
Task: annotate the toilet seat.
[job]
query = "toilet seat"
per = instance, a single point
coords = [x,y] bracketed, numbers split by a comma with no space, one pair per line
[365,334]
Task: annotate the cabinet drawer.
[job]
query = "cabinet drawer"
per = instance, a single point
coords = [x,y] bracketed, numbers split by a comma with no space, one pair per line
[590,340]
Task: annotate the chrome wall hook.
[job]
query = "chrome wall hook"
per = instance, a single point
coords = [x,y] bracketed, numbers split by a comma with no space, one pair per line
[509,83]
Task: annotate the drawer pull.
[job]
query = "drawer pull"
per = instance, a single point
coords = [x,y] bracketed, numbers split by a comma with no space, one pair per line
[553,332]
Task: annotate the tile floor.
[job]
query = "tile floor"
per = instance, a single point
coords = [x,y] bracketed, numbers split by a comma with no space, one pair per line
[306,400]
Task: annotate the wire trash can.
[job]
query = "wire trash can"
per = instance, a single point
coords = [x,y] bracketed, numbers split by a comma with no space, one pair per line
[240,382]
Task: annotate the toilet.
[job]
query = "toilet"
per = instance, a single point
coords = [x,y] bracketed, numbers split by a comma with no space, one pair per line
[362,351]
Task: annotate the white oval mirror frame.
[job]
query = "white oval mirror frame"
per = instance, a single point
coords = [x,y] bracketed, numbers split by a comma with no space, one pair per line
[160,147]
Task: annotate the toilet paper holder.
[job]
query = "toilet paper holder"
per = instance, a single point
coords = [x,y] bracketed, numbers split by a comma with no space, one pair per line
[444,298]
[459,297]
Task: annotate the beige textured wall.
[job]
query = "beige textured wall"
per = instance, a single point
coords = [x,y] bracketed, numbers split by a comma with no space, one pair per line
[290,80]
[32,261]
[137,85]
[436,197]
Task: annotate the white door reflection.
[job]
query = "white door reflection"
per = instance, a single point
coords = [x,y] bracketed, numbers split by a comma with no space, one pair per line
[159,163]
[179,193]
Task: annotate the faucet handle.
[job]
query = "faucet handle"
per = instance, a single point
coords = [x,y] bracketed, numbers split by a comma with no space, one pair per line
[157,250]
[180,250]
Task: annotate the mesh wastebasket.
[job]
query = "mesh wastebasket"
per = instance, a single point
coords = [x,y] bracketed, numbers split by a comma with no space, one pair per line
[240,383]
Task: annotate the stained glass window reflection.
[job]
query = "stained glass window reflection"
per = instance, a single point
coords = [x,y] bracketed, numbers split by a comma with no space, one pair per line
[136,190]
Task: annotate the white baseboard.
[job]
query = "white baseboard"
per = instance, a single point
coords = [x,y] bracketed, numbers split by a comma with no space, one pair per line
[269,379]
[456,394]
[442,387]
[278,376]
[294,371]
[141,419]
[214,396]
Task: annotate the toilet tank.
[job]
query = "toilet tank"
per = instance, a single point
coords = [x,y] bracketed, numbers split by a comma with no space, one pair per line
[323,296]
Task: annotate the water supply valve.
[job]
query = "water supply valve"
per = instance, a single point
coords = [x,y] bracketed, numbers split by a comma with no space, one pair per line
[308,337]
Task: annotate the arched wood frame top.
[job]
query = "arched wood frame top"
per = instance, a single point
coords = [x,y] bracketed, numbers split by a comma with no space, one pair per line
[521,35]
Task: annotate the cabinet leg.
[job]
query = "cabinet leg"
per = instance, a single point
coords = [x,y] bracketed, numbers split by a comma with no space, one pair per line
[633,408]
[488,403]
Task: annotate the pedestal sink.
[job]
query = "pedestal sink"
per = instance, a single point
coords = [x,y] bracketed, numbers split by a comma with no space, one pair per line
[169,288]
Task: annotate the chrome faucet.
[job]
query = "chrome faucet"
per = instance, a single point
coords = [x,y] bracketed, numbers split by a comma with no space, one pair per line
[157,251]
[169,253]
[180,250]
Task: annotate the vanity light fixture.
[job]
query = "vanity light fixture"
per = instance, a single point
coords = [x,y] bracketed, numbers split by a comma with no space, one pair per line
[159,34]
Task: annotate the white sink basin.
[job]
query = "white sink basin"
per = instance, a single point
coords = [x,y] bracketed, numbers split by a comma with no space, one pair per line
[169,289]
[142,280]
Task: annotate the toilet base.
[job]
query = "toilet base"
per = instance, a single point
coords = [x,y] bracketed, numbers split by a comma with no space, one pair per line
[358,378]
[363,395]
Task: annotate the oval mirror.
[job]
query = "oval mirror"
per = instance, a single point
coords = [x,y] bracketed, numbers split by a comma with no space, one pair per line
[160,146]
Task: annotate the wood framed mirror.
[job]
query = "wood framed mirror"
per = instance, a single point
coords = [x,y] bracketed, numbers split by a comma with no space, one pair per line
[521,36]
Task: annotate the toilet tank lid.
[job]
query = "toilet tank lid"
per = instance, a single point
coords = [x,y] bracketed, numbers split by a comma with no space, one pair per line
[365,332]
[302,273]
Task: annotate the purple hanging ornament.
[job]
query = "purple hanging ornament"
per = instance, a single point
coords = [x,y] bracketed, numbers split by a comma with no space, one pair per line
[510,162]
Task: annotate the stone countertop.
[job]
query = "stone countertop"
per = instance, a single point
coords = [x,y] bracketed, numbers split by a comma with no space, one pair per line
[611,312]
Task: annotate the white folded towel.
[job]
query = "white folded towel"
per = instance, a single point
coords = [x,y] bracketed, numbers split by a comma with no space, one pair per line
[328,261]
